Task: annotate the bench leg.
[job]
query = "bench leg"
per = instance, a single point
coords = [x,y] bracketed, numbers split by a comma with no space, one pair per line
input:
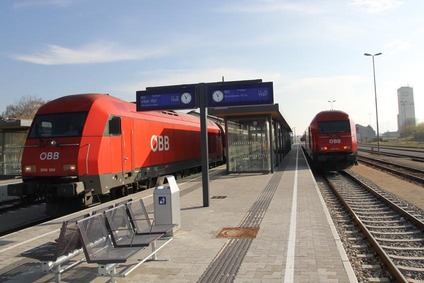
[107,269]
[154,256]
[113,275]
[57,276]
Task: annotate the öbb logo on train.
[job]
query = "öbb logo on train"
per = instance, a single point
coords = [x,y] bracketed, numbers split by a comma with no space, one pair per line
[159,143]
[335,141]
[49,155]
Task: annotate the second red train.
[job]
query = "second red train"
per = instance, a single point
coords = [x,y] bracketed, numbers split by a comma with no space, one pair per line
[330,141]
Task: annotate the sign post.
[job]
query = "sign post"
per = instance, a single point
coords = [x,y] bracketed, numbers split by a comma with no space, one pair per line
[201,90]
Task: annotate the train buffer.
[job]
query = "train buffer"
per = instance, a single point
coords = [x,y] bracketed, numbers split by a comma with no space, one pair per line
[99,245]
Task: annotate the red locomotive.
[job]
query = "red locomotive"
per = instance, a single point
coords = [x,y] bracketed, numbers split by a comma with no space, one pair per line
[84,148]
[330,141]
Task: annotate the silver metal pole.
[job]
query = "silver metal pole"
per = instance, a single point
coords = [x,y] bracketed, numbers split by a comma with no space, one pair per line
[375,93]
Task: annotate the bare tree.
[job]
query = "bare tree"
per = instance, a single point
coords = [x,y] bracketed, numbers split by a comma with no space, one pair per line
[26,108]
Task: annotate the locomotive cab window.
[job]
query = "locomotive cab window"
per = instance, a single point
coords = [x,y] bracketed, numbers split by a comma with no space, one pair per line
[58,125]
[326,127]
[113,126]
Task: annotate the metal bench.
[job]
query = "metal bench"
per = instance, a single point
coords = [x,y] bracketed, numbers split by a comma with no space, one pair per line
[67,246]
[122,232]
[141,221]
[99,247]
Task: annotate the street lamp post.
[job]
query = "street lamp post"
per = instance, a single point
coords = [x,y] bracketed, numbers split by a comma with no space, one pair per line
[375,92]
[331,101]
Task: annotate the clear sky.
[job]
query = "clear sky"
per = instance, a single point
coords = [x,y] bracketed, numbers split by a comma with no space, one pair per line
[313,51]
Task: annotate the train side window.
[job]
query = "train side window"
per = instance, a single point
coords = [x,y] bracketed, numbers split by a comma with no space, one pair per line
[114,126]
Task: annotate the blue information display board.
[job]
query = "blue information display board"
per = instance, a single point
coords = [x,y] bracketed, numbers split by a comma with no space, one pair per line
[181,97]
[240,94]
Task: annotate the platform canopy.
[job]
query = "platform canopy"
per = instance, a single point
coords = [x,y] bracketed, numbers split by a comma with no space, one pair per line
[15,124]
[251,110]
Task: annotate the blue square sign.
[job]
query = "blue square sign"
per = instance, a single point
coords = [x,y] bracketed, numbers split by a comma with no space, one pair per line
[162,200]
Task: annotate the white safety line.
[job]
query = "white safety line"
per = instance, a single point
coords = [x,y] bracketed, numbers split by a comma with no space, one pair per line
[27,241]
[289,272]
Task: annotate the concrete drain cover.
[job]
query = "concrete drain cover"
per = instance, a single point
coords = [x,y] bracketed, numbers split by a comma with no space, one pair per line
[238,232]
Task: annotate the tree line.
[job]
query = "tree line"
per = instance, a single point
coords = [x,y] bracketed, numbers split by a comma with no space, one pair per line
[413,131]
[25,108]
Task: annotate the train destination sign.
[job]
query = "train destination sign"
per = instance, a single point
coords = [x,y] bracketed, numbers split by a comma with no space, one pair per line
[240,94]
[181,97]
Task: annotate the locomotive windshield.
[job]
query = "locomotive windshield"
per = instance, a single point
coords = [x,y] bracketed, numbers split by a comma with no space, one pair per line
[58,125]
[327,127]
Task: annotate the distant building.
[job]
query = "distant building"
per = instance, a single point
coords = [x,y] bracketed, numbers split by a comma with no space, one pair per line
[365,134]
[406,107]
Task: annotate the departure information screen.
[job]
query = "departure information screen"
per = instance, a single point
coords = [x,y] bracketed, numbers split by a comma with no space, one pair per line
[242,94]
[166,98]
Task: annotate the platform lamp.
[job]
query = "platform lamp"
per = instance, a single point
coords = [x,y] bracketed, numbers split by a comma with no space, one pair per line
[375,92]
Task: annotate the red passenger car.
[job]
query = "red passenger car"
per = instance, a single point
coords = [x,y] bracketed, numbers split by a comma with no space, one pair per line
[83,148]
[330,141]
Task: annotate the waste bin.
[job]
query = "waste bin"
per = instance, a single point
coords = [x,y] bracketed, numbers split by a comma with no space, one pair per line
[167,202]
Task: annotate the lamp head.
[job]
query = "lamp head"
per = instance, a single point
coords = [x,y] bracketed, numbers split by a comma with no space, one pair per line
[368,54]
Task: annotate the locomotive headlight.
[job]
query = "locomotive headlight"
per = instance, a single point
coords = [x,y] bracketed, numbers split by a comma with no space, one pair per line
[29,168]
[324,148]
[347,147]
[69,167]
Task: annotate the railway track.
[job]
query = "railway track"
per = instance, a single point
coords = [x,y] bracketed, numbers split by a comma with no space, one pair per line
[393,154]
[406,172]
[384,236]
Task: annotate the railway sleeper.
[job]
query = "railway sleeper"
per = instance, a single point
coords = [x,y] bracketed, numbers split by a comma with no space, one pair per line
[399,257]
[399,240]
[406,226]
[409,268]
[395,248]
[396,233]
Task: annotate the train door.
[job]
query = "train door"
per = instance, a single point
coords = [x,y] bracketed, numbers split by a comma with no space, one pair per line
[127,144]
[116,154]
[120,131]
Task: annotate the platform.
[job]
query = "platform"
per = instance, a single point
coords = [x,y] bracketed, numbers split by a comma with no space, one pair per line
[257,228]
